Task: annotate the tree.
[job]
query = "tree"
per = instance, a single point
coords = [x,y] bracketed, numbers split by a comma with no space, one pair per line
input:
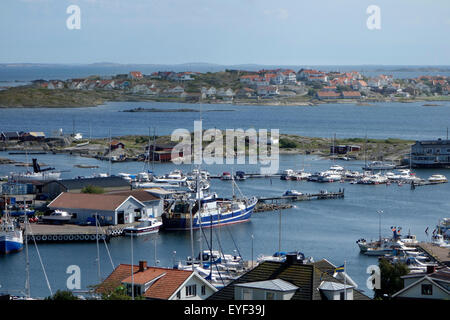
[62,295]
[119,293]
[390,278]
[92,189]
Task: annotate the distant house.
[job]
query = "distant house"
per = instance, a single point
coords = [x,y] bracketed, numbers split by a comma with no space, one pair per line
[245,93]
[341,149]
[109,209]
[326,94]
[117,145]
[351,95]
[32,136]
[135,75]
[55,84]
[157,283]
[430,285]
[163,153]
[108,184]
[10,136]
[291,280]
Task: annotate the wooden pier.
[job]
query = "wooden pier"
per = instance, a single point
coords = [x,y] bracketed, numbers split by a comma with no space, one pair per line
[71,233]
[307,196]
[439,254]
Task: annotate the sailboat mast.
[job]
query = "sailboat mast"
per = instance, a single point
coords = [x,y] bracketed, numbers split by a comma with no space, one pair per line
[98,249]
[27,261]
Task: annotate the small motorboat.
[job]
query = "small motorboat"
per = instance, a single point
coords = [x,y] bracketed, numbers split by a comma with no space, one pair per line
[226,176]
[57,217]
[437,178]
[147,226]
[292,193]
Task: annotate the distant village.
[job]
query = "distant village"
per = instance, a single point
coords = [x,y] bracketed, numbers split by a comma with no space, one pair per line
[239,85]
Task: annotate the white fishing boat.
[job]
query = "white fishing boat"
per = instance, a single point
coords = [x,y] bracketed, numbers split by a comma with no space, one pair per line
[57,217]
[11,237]
[147,226]
[438,240]
[437,178]
[378,165]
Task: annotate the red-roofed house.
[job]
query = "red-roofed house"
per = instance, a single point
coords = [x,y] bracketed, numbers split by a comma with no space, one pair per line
[351,95]
[157,283]
[135,75]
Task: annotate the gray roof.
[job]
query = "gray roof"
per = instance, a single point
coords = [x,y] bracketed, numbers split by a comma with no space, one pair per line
[104,182]
[333,286]
[274,285]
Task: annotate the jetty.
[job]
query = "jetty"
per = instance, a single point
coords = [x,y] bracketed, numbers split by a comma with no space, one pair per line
[322,195]
[71,232]
[440,254]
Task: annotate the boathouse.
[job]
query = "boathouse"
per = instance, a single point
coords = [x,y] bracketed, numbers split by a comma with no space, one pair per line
[430,153]
[110,209]
[154,205]
[162,152]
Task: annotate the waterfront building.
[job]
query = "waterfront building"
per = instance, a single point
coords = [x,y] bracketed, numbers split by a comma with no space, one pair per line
[154,205]
[110,209]
[157,283]
[291,280]
[53,188]
[432,284]
[430,153]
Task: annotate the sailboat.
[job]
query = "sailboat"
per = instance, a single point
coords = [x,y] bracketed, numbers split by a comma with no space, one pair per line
[11,237]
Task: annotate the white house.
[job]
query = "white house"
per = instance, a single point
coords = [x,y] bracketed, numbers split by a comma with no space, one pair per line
[108,208]
[433,285]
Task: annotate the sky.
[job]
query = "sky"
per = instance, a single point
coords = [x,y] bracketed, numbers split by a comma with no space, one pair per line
[227,32]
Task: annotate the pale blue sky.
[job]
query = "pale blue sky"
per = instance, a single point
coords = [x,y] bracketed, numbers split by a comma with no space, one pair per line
[283,32]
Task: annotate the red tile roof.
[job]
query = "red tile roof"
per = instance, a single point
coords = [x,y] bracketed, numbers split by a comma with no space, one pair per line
[115,278]
[91,201]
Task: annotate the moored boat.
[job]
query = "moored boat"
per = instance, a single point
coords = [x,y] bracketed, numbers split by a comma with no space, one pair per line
[147,226]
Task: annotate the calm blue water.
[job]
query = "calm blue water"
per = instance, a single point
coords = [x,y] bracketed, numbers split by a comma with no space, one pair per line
[381,120]
[321,229]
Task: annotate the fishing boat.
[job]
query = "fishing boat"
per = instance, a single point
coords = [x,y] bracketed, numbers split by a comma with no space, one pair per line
[57,217]
[192,185]
[213,212]
[384,246]
[437,178]
[147,226]
[11,237]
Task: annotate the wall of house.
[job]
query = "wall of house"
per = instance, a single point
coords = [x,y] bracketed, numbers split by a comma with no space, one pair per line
[153,209]
[336,295]
[199,283]
[416,292]
[260,294]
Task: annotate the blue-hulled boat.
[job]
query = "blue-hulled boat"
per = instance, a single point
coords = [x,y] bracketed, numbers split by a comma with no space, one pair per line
[214,212]
[11,237]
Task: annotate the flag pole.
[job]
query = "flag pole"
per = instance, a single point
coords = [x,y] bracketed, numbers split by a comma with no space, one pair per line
[345,282]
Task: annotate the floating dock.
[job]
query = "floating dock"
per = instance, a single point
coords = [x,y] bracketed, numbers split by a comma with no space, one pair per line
[71,232]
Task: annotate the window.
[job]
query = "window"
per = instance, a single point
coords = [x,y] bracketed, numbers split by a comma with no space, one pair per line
[342,295]
[191,290]
[427,289]
[270,296]
[179,294]
[203,290]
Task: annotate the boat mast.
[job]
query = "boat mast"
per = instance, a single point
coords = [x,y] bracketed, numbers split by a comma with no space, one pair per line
[379,223]
[27,261]
[110,152]
[98,249]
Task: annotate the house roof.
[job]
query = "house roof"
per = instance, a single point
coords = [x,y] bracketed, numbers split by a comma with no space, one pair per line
[274,285]
[334,286]
[115,278]
[166,281]
[104,182]
[105,202]
[139,194]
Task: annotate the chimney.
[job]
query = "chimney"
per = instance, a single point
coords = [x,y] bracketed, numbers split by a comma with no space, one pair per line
[431,269]
[291,258]
[142,265]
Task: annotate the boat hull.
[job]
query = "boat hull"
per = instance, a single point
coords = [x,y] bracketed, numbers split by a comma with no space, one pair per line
[10,244]
[141,231]
[208,221]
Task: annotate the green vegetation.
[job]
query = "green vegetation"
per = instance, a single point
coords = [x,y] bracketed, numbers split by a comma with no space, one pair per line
[93,189]
[62,295]
[390,278]
[119,293]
